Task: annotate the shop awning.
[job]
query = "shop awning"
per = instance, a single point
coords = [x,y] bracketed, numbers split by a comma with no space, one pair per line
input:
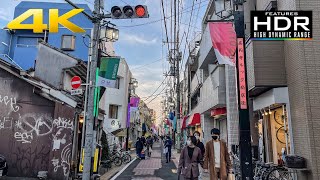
[194,120]
[120,132]
[218,112]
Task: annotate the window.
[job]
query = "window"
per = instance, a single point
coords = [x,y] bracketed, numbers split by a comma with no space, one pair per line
[113,111]
[28,41]
[68,42]
[117,83]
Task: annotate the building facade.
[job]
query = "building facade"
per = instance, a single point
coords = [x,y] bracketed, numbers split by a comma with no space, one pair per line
[115,102]
[20,46]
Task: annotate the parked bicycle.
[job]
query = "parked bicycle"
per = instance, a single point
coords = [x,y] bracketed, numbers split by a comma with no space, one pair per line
[270,171]
[125,156]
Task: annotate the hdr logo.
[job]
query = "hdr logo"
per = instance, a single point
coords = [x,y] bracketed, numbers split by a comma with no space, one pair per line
[54,21]
[281,25]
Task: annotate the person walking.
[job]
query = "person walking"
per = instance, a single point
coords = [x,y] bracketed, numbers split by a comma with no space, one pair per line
[200,145]
[139,147]
[217,158]
[168,145]
[149,145]
[190,158]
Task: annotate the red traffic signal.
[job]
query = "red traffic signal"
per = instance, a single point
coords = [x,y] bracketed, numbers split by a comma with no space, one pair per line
[140,11]
[129,12]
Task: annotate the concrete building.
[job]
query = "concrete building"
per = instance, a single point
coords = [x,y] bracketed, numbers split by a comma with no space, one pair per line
[283,88]
[115,103]
[283,78]
[20,46]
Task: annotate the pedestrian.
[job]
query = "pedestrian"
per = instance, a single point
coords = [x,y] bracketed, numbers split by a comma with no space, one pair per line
[200,145]
[143,140]
[168,145]
[217,158]
[139,147]
[149,145]
[190,158]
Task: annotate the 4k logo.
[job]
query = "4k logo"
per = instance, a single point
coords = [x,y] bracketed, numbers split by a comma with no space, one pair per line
[54,21]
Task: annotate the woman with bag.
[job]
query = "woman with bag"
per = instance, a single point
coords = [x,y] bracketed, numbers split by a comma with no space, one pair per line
[189,159]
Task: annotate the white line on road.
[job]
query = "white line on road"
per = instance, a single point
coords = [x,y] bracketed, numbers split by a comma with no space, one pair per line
[120,172]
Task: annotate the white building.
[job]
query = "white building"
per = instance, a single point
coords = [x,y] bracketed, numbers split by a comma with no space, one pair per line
[115,103]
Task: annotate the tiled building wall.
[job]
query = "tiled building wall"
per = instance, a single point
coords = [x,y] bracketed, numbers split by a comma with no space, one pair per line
[303,75]
[232,106]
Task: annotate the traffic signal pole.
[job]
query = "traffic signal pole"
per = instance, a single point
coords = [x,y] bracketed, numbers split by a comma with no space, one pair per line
[244,121]
[89,119]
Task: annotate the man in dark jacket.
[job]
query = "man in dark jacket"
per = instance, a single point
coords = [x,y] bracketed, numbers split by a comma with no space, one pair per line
[139,147]
[200,145]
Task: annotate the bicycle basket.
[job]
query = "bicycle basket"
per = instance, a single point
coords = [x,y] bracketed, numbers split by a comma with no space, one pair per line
[294,161]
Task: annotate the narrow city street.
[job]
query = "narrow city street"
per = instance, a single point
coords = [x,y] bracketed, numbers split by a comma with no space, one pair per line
[232,86]
[153,168]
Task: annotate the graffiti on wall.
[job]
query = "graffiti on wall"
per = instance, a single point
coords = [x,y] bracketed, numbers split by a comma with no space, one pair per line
[32,125]
[64,160]
[34,130]
[10,101]
[6,123]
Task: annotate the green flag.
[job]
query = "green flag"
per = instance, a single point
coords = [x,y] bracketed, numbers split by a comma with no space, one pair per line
[108,72]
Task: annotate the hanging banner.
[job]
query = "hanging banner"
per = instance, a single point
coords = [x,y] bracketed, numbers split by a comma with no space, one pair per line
[134,103]
[128,117]
[224,41]
[108,72]
[242,75]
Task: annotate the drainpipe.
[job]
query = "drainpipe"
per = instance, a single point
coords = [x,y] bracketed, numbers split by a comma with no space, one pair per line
[75,142]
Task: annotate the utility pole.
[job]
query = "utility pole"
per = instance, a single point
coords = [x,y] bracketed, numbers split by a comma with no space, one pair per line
[178,58]
[244,120]
[88,146]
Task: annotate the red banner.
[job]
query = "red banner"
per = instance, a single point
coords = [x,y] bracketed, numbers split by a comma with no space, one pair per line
[242,75]
[224,41]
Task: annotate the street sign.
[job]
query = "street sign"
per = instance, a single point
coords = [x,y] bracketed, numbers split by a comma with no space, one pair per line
[75,82]
[76,92]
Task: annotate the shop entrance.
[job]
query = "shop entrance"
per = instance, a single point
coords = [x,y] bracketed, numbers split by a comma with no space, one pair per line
[273,134]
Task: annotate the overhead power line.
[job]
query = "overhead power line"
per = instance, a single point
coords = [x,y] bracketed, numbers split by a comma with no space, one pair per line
[157,87]
[165,24]
[147,64]
[157,95]
[152,95]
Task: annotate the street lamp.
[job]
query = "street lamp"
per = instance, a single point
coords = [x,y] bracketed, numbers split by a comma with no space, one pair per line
[109,33]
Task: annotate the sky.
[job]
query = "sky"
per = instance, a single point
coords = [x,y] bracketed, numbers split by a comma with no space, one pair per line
[141,45]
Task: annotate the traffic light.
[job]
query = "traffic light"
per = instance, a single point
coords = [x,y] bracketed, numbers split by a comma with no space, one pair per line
[129,12]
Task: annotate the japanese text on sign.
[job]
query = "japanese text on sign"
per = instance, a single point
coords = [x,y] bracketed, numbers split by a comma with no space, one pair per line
[242,75]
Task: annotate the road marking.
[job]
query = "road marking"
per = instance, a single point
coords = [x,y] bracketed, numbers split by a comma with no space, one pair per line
[120,172]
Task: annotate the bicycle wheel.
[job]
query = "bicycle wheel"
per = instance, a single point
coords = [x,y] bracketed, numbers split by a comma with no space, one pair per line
[126,158]
[277,134]
[117,161]
[279,174]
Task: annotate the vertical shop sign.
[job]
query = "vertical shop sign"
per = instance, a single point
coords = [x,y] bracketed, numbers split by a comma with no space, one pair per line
[242,75]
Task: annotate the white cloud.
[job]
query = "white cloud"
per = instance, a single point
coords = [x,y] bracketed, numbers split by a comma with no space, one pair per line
[135,39]
[6,14]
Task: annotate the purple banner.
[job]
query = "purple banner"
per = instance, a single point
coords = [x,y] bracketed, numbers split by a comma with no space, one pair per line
[134,101]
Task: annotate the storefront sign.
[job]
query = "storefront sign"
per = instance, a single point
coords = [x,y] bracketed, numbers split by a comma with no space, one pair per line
[218,112]
[242,75]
